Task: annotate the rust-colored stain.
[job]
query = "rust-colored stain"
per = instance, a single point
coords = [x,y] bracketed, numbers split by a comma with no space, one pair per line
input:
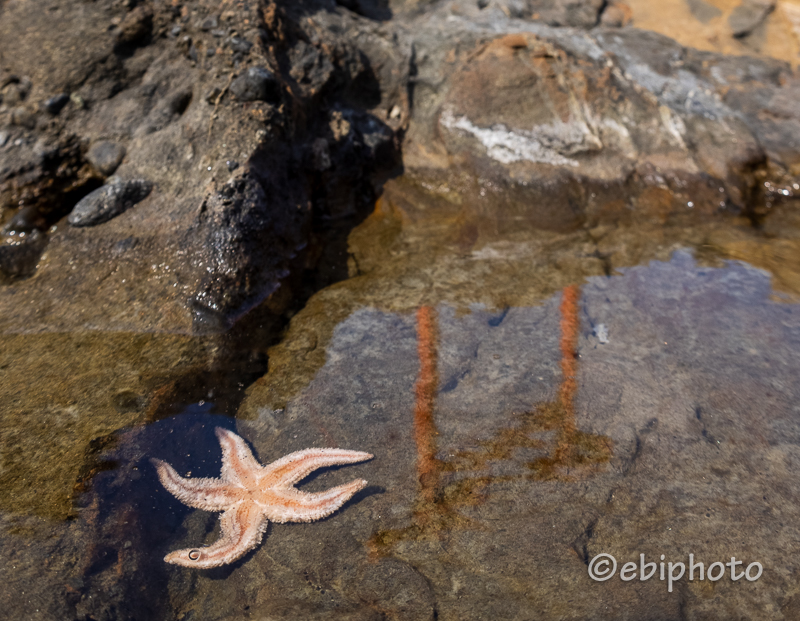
[573,453]
[433,512]
[573,448]
[425,394]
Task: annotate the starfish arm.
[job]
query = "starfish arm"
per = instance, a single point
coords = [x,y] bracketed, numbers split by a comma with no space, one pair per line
[238,464]
[292,505]
[207,494]
[243,526]
[298,465]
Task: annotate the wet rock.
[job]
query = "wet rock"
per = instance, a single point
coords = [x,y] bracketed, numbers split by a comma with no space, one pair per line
[749,15]
[20,253]
[683,444]
[106,156]
[26,220]
[55,104]
[247,241]
[107,202]
[257,84]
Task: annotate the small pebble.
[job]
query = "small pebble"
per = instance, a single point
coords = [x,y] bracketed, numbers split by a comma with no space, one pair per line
[209,23]
[3,138]
[106,156]
[232,165]
[175,31]
[11,96]
[256,84]
[109,201]
[184,43]
[238,44]
[78,101]
[25,220]
[212,94]
[23,117]
[24,87]
[55,104]
[124,245]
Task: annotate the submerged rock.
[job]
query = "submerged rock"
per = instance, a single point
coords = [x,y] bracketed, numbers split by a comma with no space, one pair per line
[105,203]
[683,442]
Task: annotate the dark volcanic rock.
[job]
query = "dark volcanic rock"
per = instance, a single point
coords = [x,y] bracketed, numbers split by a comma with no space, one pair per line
[257,84]
[55,104]
[311,68]
[141,91]
[247,239]
[105,203]
[19,254]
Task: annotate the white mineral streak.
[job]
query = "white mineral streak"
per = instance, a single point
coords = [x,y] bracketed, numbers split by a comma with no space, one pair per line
[506,146]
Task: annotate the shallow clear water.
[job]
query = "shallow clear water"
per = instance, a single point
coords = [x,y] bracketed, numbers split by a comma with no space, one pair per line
[530,401]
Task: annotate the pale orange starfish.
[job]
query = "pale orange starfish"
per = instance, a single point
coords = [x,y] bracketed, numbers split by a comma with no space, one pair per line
[249,495]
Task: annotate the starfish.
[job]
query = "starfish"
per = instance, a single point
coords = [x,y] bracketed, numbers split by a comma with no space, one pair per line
[250,495]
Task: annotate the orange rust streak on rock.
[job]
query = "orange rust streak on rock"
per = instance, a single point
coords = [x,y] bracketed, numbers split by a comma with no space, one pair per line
[425,394]
[570,329]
